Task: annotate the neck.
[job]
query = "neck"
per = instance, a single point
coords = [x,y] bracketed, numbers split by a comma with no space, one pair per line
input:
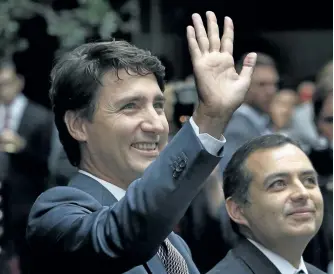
[289,249]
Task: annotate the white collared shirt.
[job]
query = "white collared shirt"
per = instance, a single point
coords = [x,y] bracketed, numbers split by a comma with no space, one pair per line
[281,264]
[211,144]
[16,109]
[118,192]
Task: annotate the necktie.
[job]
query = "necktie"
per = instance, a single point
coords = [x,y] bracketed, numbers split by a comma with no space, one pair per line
[301,272]
[172,260]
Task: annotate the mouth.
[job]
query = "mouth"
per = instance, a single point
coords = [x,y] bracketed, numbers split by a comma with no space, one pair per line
[146,148]
[302,212]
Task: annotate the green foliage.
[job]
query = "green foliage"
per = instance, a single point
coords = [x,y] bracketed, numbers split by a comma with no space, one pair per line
[71,27]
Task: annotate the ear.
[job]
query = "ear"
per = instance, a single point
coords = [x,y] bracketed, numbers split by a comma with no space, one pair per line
[236,212]
[76,126]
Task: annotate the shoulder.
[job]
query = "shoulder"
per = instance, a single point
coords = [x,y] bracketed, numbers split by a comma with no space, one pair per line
[63,197]
[230,264]
[239,124]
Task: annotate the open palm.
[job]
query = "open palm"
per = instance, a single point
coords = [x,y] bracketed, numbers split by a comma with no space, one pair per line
[220,88]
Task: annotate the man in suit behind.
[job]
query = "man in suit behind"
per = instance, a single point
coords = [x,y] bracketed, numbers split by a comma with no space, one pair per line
[275,204]
[25,133]
[108,104]
[251,119]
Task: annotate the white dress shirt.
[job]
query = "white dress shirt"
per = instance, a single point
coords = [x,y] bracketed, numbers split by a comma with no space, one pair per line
[281,264]
[211,144]
[16,110]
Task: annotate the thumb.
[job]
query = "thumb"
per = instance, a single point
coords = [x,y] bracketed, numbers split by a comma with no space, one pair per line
[248,65]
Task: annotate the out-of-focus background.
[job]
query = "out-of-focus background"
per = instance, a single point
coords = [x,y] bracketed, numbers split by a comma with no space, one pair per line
[291,93]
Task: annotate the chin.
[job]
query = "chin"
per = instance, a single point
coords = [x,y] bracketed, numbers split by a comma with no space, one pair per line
[307,230]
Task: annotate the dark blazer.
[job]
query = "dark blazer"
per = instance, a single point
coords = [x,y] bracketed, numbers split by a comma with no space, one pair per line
[81,228]
[244,125]
[28,170]
[246,258]
[24,177]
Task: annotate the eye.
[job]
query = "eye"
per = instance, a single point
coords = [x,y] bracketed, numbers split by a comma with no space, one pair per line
[159,105]
[278,185]
[129,106]
[311,181]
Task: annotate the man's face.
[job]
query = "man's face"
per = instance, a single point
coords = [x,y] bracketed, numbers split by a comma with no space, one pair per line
[282,107]
[10,85]
[325,121]
[129,127]
[285,200]
[263,87]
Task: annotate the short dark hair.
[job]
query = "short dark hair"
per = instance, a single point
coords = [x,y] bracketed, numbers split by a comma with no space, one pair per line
[76,79]
[237,177]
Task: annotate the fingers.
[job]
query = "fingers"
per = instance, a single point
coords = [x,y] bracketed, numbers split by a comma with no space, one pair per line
[228,36]
[213,31]
[248,66]
[194,50]
[201,36]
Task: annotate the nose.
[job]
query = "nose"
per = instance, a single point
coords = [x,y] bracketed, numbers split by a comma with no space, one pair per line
[153,122]
[300,192]
[271,89]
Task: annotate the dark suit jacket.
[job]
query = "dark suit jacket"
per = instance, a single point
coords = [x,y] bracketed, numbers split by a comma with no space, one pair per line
[246,258]
[243,126]
[83,229]
[26,172]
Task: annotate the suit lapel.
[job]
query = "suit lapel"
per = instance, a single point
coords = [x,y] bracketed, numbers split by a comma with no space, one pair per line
[155,265]
[27,117]
[254,258]
[105,198]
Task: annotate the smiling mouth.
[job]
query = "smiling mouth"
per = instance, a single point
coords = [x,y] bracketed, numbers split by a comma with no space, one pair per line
[149,147]
[302,213]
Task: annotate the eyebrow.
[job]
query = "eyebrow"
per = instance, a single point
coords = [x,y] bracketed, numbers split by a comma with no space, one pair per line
[137,98]
[267,180]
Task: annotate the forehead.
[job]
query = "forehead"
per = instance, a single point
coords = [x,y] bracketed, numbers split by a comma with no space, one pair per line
[122,84]
[287,159]
[264,72]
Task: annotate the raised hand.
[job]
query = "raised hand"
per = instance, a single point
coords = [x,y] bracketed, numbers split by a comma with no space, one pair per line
[220,89]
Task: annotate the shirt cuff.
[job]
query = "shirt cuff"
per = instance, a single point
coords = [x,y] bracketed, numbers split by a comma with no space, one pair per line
[211,144]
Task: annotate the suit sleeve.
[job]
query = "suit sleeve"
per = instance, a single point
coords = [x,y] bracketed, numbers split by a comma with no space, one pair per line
[71,224]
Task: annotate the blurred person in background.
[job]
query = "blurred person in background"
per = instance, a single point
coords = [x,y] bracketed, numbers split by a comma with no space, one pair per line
[281,111]
[252,118]
[25,135]
[320,250]
[302,123]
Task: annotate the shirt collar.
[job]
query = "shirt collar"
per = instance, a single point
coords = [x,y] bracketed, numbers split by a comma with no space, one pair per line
[281,264]
[118,192]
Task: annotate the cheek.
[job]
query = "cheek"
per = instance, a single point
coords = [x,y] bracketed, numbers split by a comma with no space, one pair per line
[268,211]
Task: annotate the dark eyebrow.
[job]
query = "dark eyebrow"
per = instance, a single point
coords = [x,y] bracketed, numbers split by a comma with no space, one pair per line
[138,98]
[286,174]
